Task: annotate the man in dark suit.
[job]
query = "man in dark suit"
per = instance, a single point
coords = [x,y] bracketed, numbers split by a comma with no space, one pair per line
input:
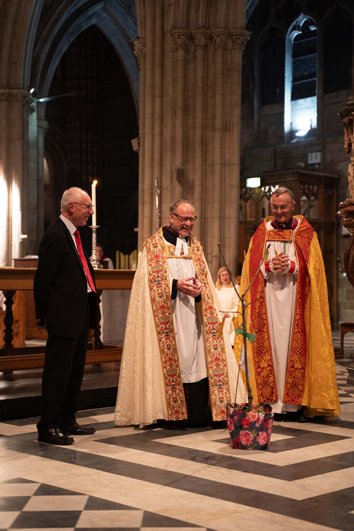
[65,299]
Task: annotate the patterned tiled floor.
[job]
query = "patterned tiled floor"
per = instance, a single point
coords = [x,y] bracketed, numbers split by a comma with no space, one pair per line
[128,479]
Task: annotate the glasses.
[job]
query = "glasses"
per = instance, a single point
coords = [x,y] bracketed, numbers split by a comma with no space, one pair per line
[184,220]
[88,207]
[282,208]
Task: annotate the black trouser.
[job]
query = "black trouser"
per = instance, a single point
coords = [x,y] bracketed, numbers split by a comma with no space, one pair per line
[62,377]
[197,396]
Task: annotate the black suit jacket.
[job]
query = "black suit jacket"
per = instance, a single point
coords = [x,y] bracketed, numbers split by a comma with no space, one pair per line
[60,285]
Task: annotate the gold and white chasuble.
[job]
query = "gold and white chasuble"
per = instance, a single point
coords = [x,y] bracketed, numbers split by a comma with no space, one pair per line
[168,343]
[292,360]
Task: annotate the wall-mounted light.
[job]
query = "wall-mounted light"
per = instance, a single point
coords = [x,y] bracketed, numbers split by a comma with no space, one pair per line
[253,182]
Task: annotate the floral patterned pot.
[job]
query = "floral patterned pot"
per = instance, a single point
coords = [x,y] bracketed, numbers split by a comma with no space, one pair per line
[249,430]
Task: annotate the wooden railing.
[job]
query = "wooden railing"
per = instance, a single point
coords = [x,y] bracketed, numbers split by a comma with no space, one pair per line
[21,279]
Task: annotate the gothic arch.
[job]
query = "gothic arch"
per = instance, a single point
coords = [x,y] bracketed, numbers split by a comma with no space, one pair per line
[34,34]
[115,22]
[31,59]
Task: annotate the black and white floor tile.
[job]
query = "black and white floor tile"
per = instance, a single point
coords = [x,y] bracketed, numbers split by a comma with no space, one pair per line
[158,480]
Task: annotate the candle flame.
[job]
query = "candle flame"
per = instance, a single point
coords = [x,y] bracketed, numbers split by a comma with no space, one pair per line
[94,183]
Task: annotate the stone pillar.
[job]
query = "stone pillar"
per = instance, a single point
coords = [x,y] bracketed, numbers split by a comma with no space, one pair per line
[158,73]
[42,127]
[189,128]
[140,52]
[30,192]
[5,229]
[215,204]
[181,37]
[168,176]
[200,37]
[231,220]
[146,228]
[14,107]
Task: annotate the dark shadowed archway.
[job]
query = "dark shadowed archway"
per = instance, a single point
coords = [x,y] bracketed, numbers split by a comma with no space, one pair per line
[93,117]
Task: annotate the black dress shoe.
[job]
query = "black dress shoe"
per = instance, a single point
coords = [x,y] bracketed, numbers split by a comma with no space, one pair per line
[302,418]
[280,417]
[54,436]
[218,424]
[171,424]
[75,429]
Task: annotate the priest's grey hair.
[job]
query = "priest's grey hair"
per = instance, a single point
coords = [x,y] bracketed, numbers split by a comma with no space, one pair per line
[69,196]
[175,204]
[282,190]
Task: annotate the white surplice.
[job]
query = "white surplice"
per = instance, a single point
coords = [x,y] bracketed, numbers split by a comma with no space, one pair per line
[186,319]
[280,299]
[229,301]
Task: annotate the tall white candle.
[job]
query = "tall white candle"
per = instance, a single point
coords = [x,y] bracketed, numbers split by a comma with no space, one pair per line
[93,199]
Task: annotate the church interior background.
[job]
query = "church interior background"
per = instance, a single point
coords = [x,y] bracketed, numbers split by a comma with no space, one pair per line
[156,100]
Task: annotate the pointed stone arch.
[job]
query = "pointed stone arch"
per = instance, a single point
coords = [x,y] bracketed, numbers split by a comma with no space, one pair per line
[120,31]
[33,37]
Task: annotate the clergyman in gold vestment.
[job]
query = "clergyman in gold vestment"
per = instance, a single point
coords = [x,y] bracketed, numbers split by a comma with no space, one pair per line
[174,363]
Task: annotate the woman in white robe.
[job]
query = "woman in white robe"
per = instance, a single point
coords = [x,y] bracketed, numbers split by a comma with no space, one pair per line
[229,301]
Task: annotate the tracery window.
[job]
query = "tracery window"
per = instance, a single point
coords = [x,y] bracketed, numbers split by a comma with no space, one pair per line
[304,55]
[300,101]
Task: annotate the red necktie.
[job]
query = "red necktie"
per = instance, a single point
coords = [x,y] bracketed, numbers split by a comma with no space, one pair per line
[83,260]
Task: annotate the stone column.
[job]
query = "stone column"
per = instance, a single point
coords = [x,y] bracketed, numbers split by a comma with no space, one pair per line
[30,190]
[42,127]
[146,229]
[200,38]
[190,144]
[168,125]
[181,37]
[215,204]
[157,174]
[140,52]
[14,104]
[231,220]
[5,232]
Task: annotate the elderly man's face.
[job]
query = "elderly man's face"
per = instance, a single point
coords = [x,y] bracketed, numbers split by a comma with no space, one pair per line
[81,209]
[282,207]
[179,221]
